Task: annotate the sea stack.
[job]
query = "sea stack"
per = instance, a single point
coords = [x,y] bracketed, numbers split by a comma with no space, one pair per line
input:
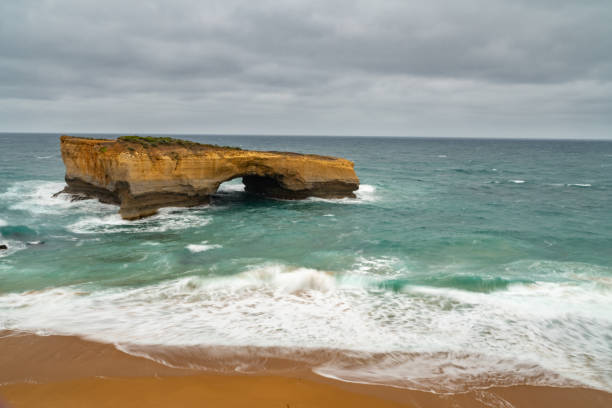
[143,174]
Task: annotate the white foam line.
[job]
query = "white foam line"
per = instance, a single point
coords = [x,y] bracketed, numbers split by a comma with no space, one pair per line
[365,194]
[202,247]
[168,219]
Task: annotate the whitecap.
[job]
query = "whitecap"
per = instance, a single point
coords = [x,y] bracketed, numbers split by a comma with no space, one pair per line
[579,185]
[365,194]
[167,219]
[204,246]
[288,280]
[3,223]
[37,197]
[517,181]
[329,215]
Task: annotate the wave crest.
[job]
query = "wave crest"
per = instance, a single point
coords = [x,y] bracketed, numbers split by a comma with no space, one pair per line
[292,281]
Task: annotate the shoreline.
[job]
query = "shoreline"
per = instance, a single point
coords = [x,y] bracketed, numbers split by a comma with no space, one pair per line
[70,371]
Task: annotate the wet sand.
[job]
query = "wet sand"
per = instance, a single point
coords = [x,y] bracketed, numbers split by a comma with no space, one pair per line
[65,371]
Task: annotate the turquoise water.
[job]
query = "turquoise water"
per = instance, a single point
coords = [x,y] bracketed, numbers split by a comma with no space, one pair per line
[459,258]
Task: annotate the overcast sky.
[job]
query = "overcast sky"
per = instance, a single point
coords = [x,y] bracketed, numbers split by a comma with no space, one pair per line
[480,68]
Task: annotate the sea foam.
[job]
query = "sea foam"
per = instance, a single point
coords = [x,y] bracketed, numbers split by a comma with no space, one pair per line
[204,246]
[275,305]
[168,219]
[37,198]
[365,194]
[12,245]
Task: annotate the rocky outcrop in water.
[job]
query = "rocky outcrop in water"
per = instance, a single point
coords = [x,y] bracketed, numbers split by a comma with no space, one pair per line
[143,174]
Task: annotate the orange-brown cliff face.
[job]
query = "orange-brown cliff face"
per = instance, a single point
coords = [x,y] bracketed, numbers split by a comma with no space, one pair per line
[144,174]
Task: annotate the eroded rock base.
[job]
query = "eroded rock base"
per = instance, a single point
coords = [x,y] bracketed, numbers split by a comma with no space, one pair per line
[269,187]
[131,207]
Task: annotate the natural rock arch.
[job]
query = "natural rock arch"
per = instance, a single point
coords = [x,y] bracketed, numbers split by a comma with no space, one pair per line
[144,174]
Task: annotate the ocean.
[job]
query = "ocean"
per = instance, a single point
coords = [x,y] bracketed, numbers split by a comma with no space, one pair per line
[462,263]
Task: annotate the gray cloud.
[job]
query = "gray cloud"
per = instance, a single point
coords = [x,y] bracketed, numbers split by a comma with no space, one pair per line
[471,68]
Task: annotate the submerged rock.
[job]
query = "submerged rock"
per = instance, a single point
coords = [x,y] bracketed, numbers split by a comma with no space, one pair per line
[143,174]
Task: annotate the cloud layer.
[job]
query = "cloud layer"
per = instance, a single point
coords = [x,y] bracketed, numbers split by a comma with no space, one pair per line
[407,68]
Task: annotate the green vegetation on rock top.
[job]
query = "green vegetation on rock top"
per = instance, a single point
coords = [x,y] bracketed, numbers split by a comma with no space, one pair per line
[150,141]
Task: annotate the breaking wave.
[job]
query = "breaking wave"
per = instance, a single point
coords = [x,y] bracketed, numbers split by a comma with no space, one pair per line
[36,197]
[426,333]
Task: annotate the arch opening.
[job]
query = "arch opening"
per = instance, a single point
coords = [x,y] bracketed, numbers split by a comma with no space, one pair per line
[264,186]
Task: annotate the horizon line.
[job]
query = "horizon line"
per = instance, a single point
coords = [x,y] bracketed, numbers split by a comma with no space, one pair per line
[601,139]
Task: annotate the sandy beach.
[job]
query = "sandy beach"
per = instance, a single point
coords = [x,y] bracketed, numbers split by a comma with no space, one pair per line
[65,371]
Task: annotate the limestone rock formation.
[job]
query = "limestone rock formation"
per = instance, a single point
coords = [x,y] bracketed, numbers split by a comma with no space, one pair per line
[143,174]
